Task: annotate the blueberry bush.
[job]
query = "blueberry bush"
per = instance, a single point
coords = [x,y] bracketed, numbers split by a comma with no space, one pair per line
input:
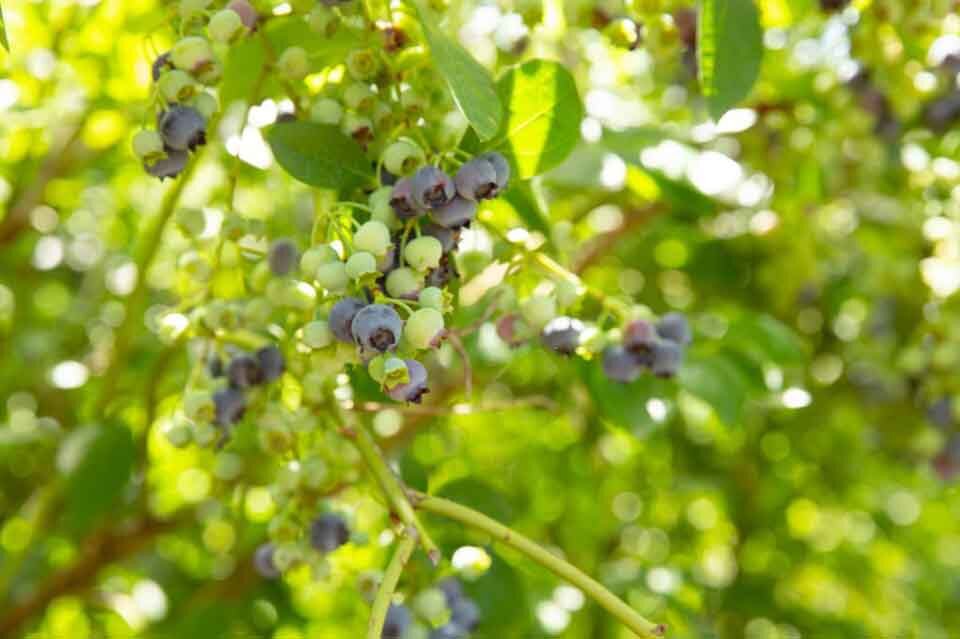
[452,319]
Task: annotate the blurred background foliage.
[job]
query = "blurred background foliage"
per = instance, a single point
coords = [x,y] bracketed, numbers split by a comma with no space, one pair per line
[795,481]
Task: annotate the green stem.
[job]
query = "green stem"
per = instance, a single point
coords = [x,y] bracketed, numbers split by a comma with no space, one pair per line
[614,605]
[392,489]
[381,603]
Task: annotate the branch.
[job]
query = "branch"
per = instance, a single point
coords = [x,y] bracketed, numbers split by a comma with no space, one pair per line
[602,244]
[381,604]
[614,605]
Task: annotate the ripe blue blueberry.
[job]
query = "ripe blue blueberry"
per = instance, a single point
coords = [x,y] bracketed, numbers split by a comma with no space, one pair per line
[639,336]
[169,166]
[272,363]
[432,188]
[263,561]
[377,327]
[397,621]
[328,532]
[229,405]
[456,213]
[413,390]
[402,201]
[244,371]
[282,257]
[665,358]
[448,238]
[502,168]
[465,614]
[674,327]
[620,365]
[341,318]
[940,412]
[562,335]
[182,128]
[477,180]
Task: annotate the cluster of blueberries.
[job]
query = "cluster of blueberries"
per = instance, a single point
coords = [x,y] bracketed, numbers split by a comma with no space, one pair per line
[657,347]
[243,372]
[461,612]
[327,533]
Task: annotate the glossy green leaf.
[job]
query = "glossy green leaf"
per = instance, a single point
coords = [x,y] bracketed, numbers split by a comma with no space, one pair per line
[542,123]
[319,155]
[470,83]
[98,461]
[730,50]
[717,381]
[766,339]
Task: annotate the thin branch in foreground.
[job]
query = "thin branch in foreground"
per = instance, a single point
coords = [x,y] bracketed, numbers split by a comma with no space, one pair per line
[641,626]
[381,603]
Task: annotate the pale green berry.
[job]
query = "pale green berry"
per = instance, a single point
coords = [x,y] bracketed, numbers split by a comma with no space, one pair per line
[205,104]
[179,436]
[423,253]
[360,264]
[190,221]
[294,63]
[357,125]
[567,294]
[225,26]
[210,74]
[424,328]
[372,237]
[257,311]
[317,334]
[538,310]
[363,64]
[148,146]
[413,101]
[261,276]
[204,434]
[432,297]
[383,117]
[403,157]
[198,406]
[379,202]
[432,605]
[359,97]
[326,111]
[190,9]
[195,266]
[314,258]
[395,372]
[404,283]
[314,387]
[192,54]
[323,20]
[332,276]
[314,472]
[176,86]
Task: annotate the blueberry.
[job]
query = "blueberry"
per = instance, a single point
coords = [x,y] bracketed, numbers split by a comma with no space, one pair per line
[940,412]
[170,166]
[502,168]
[246,11]
[456,213]
[665,358]
[432,188]
[449,631]
[397,621]
[477,180]
[620,365]
[341,318]
[942,112]
[465,614]
[161,64]
[413,390]
[263,561]
[271,363]
[445,272]
[448,237]
[947,461]
[452,589]
[328,532]
[674,327]
[639,336]
[282,257]
[508,329]
[244,371]
[562,335]
[402,202]
[377,327]
[182,128]
[229,406]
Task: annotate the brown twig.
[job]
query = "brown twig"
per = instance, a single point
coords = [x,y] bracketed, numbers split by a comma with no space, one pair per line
[602,244]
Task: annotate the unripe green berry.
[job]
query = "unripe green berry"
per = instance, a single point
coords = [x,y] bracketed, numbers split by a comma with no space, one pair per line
[205,104]
[192,54]
[314,472]
[148,146]
[191,222]
[176,86]
[432,605]
[357,126]
[323,20]
[383,118]
[424,328]
[404,283]
[363,64]
[413,101]
[258,311]
[210,74]
[195,266]
[326,111]
[293,63]
[372,237]
[360,264]
[314,258]
[317,334]
[314,387]
[260,277]
[332,276]
[403,157]
[225,26]
[203,434]
[423,253]
[538,310]
[179,436]
[432,297]
[379,202]
[359,97]
[191,9]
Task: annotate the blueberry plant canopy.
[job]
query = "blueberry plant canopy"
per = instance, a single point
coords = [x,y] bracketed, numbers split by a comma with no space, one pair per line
[452,319]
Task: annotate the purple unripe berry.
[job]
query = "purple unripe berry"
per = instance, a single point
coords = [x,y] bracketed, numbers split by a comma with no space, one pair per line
[639,336]
[620,365]
[246,12]
[341,318]
[169,166]
[263,561]
[665,358]
[377,327]
[397,621]
[432,188]
[562,335]
[271,363]
[477,180]
[182,128]
[455,214]
[500,166]
[413,390]
[244,371]
[229,406]
[402,202]
[676,328]
[329,532]
[282,257]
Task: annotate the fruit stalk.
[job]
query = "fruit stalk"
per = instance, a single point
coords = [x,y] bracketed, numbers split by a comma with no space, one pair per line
[381,603]
[641,626]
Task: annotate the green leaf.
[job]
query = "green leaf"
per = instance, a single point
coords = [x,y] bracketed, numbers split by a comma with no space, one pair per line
[729,49]
[544,111]
[471,85]
[319,155]
[524,201]
[3,31]
[766,339]
[717,381]
[623,405]
[99,463]
[480,496]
